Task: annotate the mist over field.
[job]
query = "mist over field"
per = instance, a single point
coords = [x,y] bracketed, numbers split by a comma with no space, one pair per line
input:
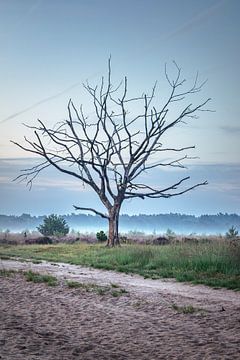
[149,224]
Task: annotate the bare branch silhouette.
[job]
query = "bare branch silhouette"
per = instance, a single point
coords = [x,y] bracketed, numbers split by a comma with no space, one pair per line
[111,152]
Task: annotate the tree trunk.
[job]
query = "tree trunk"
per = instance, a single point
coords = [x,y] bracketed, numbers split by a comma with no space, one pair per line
[113,236]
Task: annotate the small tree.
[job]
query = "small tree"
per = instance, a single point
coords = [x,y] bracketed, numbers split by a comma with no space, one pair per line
[6,234]
[53,225]
[101,236]
[122,141]
[170,234]
[232,232]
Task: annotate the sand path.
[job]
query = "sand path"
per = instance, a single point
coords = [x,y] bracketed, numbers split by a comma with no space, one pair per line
[39,322]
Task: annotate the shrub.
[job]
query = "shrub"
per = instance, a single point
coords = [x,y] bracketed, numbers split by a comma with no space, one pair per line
[124,240]
[232,233]
[162,240]
[170,234]
[101,236]
[6,234]
[43,240]
[53,225]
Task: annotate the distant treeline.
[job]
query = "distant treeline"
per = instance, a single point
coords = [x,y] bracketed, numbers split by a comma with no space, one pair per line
[179,223]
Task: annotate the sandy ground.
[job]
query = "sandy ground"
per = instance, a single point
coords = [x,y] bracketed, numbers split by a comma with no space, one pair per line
[59,323]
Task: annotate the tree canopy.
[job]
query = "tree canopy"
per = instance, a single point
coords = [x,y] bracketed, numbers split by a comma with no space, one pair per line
[53,225]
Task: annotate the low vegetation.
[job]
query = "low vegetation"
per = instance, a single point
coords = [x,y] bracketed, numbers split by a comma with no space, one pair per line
[98,289]
[215,263]
[40,278]
[6,273]
[232,233]
[31,276]
[101,236]
[187,309]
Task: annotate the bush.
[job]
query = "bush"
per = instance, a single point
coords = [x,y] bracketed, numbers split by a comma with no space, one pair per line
[53,225]
[101,236]
[232,233]
[44,240]
[162,240]
[124,240]
[170,234]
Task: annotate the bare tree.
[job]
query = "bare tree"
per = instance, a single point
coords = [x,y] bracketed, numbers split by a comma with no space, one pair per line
[110,153]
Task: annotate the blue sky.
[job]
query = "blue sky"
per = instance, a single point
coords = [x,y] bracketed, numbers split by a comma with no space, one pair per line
[48,48]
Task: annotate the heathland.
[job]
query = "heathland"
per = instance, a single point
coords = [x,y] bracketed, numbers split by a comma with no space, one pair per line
[213,261]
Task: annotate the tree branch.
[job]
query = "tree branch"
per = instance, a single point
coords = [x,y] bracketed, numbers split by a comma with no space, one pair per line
[93,210]
[114,145]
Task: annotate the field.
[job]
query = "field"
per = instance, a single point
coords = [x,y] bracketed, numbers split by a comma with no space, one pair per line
[211,262]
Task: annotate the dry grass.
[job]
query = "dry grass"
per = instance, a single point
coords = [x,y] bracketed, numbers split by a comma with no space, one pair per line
[132,237]
[11,238]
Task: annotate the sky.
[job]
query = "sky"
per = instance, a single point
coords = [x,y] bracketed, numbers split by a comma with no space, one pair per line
[49,48]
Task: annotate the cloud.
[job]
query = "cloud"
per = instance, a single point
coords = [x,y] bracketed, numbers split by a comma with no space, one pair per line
[221,177]
[45,181]
[56,192]
[4,179]
[224,187]
[230,129]
[48,179]
[73,185]
[19,161]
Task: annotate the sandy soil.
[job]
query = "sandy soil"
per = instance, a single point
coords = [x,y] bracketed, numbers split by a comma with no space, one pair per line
[58,323]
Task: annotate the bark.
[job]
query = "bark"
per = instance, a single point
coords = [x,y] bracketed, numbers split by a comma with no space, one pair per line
[113,221]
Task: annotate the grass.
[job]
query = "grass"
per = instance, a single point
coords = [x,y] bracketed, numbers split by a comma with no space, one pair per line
[74,284]
[214,263]
[120,292]
[34,277]
[98,289]
[39,278]
[188,309]
[86,286]
[36,261]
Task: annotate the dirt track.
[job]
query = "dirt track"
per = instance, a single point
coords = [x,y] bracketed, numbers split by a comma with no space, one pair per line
[40,322]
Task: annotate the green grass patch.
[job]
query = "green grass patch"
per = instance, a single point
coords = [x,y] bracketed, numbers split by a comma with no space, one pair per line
[36,261]
[119,292]
[85,286]
[98,289]
[39,278]
[188,309]
[115,286]
[215,263]
[74,284]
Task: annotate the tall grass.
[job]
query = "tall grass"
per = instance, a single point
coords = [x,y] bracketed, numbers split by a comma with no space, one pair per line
[215,263]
